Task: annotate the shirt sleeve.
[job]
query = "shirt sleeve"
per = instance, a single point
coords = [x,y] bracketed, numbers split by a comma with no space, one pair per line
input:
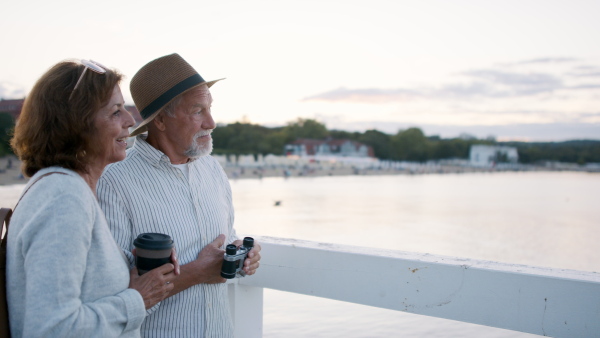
[120,226]
[56,259]
[113,206]
[230,211]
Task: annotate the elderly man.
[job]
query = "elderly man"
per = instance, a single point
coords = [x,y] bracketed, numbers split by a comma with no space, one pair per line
[168,184]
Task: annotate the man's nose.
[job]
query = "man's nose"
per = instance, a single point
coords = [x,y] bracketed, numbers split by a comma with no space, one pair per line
[209,123]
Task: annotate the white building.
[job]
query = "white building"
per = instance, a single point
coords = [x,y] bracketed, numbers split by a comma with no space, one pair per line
[484,155]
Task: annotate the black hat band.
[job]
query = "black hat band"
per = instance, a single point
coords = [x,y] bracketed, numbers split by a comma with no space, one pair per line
[170,94]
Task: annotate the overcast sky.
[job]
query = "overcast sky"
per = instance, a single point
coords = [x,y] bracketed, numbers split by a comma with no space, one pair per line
[525,70]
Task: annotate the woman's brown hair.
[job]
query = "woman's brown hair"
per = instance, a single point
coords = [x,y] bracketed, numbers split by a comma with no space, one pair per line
[55,131]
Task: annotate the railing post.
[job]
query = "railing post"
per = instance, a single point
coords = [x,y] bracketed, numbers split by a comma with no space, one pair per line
[246,306]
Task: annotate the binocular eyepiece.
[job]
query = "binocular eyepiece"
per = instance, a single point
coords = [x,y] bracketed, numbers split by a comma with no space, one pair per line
[233,260]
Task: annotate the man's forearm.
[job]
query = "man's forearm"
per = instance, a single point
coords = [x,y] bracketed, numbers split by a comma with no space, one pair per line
[196,273]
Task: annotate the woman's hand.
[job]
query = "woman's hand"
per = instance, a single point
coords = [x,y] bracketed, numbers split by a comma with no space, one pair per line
[155,285]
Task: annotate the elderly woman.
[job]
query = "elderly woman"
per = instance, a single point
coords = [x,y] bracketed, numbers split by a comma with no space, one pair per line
[66,276]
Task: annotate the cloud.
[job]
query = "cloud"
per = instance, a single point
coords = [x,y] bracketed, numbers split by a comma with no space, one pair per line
[11,91]
[479,84]
[540,132]
[369,95]
[585,86]
[585,71]
[590,74]
[545,60]
[516,84]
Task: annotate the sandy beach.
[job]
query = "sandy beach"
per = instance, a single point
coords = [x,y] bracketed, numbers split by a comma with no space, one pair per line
[10,172]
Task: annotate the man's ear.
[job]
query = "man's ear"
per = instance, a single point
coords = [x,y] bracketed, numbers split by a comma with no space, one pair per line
[159,122]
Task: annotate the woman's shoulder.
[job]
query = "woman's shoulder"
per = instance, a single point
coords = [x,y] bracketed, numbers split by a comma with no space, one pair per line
[53,181]
[53,195]
[56,174]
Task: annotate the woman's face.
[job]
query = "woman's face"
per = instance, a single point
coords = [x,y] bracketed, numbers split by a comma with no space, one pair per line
[111,124]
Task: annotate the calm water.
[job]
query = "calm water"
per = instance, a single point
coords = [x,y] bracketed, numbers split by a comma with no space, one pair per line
[542,219]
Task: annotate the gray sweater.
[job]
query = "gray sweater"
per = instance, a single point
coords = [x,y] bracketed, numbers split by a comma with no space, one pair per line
[66,276]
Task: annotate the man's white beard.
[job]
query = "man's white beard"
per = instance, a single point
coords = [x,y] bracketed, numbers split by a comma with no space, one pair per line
[197,149]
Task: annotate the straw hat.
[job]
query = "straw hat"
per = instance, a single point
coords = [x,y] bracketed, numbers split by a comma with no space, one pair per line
[158,83]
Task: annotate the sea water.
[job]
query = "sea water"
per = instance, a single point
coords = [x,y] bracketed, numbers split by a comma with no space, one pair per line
[548,219]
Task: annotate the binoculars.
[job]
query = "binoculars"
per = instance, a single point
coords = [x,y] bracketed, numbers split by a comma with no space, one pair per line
[233,260]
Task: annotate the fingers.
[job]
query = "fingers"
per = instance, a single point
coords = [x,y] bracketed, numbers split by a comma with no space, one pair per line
[155,285]
[175,262]
[252,262]
[251,259]
[255,250]
[165,269]
[162,278]
[133,273]
[219,241]
[251,268]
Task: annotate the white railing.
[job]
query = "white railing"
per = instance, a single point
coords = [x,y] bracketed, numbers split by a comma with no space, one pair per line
[551,302]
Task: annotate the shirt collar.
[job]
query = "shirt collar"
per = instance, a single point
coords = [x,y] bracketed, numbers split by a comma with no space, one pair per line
[148,152]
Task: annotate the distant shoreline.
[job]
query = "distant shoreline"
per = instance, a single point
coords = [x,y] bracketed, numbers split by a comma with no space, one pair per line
[12,175]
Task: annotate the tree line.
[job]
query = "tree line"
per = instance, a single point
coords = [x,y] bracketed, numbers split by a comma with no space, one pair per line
[406,145]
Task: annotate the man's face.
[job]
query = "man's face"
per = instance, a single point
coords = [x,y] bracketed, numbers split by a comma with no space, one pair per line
[189,131]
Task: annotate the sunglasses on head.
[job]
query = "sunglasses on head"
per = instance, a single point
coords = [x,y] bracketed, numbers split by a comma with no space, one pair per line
[94,66]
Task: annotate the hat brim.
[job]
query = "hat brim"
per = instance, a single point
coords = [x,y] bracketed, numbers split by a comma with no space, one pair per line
[143,126]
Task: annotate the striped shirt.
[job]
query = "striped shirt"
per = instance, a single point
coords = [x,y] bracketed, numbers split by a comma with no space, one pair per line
[146,193]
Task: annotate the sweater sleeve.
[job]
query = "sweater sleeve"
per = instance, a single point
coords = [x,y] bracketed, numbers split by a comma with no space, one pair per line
[56,249]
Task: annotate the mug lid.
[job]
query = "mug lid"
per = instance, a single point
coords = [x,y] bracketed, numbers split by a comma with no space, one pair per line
[153,241]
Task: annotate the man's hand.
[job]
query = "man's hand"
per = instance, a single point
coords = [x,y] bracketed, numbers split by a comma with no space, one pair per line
[206,268]
[209,262]
[252,261]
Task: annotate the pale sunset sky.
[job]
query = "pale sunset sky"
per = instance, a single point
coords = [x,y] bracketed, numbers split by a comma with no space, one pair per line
[516,70]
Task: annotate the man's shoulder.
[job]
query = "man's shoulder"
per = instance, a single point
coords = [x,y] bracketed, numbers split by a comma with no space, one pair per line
[126,167]
[209,164]
[208,161]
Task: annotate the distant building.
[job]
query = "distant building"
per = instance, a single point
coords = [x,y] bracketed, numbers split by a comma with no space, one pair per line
[14,107]
[329,147]
[484,155]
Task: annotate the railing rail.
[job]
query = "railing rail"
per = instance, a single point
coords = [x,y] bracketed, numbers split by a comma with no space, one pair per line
[543,301]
